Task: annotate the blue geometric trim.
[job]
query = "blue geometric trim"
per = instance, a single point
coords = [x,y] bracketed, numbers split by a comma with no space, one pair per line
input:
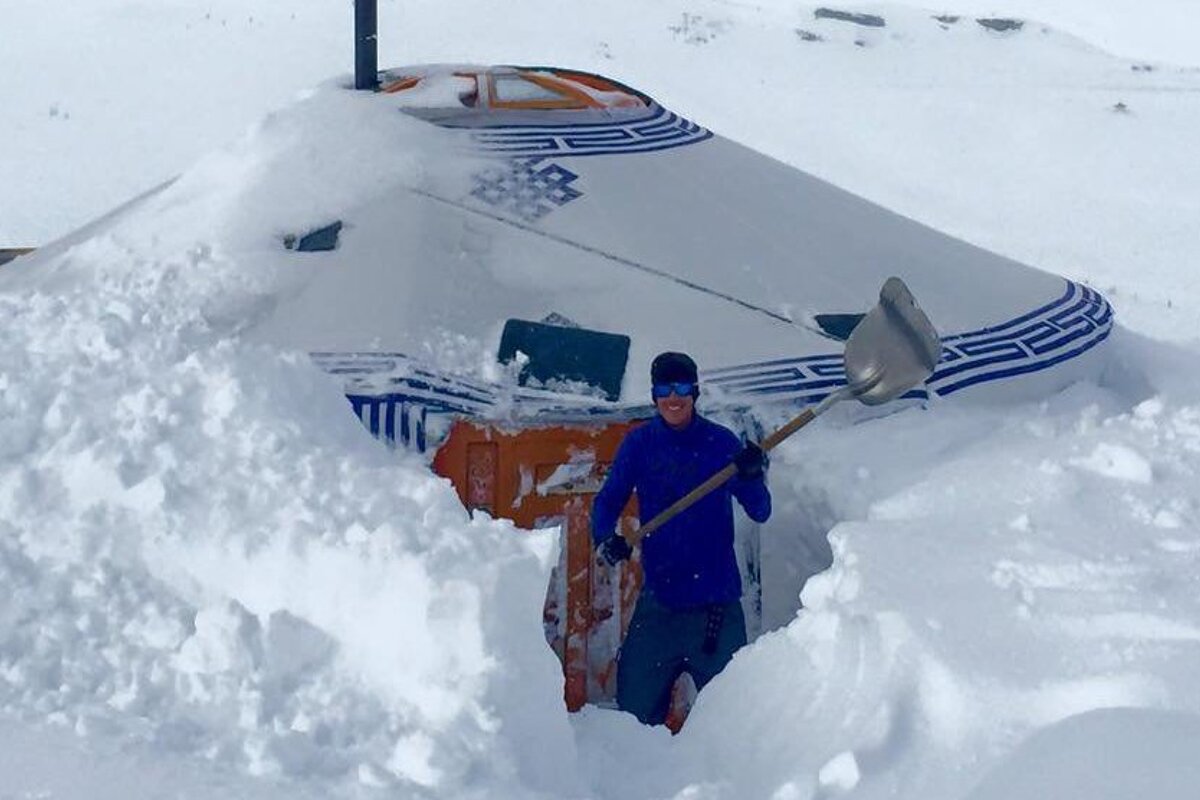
[395,419]
[526,189]
[1076,322]
[377,375]
[399,400]
[659,131]
[402,402]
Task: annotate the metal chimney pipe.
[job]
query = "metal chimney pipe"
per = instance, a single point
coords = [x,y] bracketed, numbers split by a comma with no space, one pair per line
[366,50]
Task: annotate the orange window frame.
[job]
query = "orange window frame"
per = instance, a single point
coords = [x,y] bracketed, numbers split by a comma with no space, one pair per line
[399,85]
[595,82]
[573,98]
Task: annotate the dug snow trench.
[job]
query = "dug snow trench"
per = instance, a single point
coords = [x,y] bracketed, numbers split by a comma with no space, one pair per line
[206,556]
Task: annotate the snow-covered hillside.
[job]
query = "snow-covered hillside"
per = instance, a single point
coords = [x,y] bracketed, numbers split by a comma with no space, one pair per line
[218,585]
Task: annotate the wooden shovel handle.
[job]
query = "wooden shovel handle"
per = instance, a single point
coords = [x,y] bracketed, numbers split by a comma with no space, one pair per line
[718,478]
[796,423]
[688,500]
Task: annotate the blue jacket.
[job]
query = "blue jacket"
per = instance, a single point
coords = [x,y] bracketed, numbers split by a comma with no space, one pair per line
[689,561]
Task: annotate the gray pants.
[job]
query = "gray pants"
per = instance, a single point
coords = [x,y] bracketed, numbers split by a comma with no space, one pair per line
[664,643]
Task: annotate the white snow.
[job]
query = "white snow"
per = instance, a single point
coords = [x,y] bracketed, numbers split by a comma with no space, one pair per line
[1109,755]
[1117,462]
[216,584]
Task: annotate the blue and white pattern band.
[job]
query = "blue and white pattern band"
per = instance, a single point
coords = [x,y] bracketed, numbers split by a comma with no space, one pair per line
[1061,330]
[660,130]
[397,398]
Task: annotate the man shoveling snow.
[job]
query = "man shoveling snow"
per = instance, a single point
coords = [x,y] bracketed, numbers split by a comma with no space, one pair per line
[689,615]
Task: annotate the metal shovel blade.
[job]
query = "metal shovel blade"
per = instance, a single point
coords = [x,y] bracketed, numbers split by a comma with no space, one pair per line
[893,349]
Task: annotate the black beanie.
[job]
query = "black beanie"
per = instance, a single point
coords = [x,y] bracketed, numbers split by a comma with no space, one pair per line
[673,368]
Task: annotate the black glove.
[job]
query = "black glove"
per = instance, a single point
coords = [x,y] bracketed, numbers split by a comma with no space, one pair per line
[751,462]
[615,549]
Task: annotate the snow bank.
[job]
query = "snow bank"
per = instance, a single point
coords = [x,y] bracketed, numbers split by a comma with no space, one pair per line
[1107,755]
[987,582]
[203,550]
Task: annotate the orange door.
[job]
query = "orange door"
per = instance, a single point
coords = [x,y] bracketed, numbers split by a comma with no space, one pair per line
[547,476]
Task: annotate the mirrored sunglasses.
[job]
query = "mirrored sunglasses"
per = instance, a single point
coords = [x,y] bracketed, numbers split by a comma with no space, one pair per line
[664,390]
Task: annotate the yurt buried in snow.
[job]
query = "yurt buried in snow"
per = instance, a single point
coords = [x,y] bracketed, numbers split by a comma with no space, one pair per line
[547,216]
[564,196]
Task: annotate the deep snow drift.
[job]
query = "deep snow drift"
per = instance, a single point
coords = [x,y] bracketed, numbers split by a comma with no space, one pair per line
[210,566]
[204,551]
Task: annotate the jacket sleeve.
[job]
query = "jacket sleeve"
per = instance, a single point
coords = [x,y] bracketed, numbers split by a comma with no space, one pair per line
[753,495]
[614,494]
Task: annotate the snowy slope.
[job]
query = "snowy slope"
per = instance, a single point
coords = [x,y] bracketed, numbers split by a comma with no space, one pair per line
[210,565]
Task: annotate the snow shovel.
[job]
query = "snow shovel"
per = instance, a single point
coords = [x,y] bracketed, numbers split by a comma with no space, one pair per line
[893,349]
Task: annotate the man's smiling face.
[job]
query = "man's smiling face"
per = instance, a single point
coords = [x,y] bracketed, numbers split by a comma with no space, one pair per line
[676,410]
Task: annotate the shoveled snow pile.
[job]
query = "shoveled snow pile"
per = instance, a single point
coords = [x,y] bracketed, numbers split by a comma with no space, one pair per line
[199,546]
[995,572]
